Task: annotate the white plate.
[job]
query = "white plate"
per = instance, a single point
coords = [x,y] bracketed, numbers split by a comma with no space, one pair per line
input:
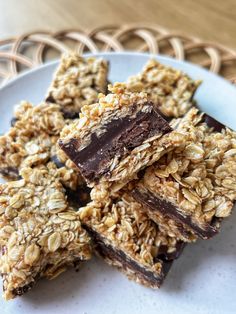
[203,280]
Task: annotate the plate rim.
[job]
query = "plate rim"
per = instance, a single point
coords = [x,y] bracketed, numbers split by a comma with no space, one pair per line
[120,53]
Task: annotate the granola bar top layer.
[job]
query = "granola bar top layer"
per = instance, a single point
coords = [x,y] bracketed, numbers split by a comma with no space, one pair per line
[35,131]
[170,89]
[32,140]
[39,233]
[193,187]
[117,137]
[127,238]
[77,82]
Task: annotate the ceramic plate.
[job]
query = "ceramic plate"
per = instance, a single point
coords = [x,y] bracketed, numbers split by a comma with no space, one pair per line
[203,280]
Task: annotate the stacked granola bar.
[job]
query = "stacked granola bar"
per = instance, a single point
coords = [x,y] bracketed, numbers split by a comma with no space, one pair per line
[40,231]
[192,188]
[161,174]
[177,179]
[127,239]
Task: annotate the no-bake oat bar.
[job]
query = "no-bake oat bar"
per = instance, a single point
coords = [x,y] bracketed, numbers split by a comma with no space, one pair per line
[170,89]
[192,188]
[77,82]
[32,140]
[127,239]
[117,137]
[40,235]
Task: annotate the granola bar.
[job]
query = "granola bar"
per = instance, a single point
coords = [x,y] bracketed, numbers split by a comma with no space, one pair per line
[170,89]
[193,187]
[117,137]
[77,82]
[40,235]
[127,239]
[32,140]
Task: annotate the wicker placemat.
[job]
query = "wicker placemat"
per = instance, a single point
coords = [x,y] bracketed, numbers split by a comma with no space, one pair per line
[32,49]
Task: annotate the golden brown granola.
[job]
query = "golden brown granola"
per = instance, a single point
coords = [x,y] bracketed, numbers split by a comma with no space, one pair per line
[40,235]
[77,82]
[33,141]
[94,117]
[122,226]
[198,177]
[170,89]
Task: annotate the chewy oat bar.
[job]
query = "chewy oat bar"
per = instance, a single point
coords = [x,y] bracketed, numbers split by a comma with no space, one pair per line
[127,239]
[40,235]
[117,137]
[29,141]
[77,82]
[32,140]
[170,89]
[193,187]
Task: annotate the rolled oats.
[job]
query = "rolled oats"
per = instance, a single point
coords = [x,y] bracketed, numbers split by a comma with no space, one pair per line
[119,164]
[128,239]
[36,240]
[196,179]
[171,90]
[33,141]
[77,82]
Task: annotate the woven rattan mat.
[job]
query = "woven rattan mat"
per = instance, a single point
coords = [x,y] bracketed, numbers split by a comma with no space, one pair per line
[30,50]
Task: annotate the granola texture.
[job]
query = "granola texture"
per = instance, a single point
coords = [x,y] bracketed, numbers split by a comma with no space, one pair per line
[198,177]
[123,226]
[77,82]
[40,235]
[33,141]
[93,117]
[120,170]
[171,90]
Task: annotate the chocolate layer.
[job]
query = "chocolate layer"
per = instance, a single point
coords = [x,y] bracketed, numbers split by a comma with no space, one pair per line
[70,114]
[118,136]
[79,197]
[66,113]
[50,99]
[168,210]
[107,251]
[13,121]
[57,162]
[76,198]
[163,253]
[22,290]
[10,172]
[212,123]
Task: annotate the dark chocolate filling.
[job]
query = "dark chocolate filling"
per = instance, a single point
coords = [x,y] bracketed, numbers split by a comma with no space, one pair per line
[67,114]
[163,253]
[13,121]
[22,290]
[212,123]
[10,172]
[57,162]
[79,197]
[76,198]
[120,135]
[168,210]
[50,99]
[107,251]
[70,114]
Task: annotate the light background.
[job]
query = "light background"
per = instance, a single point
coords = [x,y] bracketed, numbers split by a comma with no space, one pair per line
[213,20]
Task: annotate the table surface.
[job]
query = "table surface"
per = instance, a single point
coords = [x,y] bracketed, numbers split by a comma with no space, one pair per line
[213,20]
